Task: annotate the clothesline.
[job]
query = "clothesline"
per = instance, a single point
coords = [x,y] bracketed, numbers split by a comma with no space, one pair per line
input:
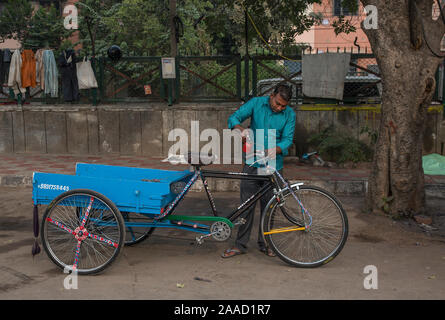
[24,68]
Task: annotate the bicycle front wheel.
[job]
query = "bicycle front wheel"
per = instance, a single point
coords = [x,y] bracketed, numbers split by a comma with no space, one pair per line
[284,227]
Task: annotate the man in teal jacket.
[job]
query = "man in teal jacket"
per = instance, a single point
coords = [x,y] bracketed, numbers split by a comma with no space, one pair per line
[270,112]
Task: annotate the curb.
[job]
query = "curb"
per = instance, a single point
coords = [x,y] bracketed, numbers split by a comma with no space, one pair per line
[356,188]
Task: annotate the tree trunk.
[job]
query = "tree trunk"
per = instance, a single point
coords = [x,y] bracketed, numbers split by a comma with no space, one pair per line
[396,183]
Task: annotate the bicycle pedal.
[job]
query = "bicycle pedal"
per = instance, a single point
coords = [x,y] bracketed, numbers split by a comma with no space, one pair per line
[199,240]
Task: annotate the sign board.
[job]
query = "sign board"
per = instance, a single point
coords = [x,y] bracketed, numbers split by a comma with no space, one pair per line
[168,68]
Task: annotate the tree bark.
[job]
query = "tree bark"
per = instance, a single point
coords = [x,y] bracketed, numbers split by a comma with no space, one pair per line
[396,183]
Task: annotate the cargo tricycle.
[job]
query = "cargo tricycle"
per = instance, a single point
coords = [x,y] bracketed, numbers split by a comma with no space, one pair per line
[92,214]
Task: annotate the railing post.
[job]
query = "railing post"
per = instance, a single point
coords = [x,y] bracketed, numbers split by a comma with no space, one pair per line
[177,80]
[443,88]
[170,91]
[254,77]
[246,77]
[238,77]
[437,78]
[94,90]
[101,79]
[161,81]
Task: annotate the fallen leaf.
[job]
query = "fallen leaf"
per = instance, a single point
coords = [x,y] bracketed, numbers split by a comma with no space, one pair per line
[432,277]
[179,285]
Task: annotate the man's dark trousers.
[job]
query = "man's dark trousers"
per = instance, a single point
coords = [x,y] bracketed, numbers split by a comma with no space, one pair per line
[249,188]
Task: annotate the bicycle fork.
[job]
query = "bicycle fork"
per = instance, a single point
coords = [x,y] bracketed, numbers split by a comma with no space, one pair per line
[279,195]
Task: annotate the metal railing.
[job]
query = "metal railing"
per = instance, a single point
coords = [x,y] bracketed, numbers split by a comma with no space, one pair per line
[217,79]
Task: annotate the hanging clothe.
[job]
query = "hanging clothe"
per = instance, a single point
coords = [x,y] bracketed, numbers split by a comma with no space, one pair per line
[40,70]
[67,62]
[51,74]
[5,57]
[2,76]
[14,77]
[324,74]
[28,69]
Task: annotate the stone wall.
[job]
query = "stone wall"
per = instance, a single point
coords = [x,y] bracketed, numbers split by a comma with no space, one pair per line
[143,129]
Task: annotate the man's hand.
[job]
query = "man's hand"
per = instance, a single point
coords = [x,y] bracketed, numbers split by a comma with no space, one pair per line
[272,152]
[243,132]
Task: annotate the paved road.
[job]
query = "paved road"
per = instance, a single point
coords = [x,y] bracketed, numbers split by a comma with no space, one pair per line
[410,264]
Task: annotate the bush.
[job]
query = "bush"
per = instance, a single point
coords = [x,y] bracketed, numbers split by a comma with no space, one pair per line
[340,147]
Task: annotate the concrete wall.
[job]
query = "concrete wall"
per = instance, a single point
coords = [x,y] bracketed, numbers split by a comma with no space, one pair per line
[143,130]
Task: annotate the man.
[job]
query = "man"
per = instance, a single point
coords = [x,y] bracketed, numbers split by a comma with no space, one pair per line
[270,112]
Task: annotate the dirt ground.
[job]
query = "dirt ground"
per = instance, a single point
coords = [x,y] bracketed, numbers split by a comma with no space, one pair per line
[409,260]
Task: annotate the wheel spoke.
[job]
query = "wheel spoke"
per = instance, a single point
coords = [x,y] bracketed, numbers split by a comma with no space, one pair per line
[60,225]
[102,239]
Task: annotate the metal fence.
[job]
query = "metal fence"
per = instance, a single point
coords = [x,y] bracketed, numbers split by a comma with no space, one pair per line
[362,83]
[216,79]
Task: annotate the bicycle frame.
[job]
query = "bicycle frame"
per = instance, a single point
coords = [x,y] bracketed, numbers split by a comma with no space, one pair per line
[203,174]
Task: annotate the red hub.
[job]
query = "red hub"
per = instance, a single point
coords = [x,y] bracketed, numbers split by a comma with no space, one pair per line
[80,233]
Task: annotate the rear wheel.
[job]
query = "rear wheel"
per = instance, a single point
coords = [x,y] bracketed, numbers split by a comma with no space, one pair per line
[82,230]
[136,234]
[284,227]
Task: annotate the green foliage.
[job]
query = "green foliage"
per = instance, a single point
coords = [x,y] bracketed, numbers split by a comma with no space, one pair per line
[46,29]
[343,25]
[340,147]
[15,20]
[139,26]
[372,134]
[42,28]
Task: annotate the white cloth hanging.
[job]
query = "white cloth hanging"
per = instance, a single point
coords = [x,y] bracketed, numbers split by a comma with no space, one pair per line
[15,79]
[324,74]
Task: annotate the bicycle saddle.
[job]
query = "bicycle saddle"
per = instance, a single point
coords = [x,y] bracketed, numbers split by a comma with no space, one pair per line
[199,159]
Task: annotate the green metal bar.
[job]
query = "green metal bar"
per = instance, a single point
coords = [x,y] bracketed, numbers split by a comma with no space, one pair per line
[177,80]
[204,58]
[101,79]
[443,88]
[254,77]
[94,90]
[238,77]
[436,91]
[162,85]
[246,77]
[170,91]
[199,218]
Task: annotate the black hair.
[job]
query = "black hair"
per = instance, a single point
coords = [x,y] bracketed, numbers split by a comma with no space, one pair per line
[285,91]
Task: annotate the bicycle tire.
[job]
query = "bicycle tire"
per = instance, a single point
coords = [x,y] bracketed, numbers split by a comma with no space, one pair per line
[135,235]
[68,245]
[312,247]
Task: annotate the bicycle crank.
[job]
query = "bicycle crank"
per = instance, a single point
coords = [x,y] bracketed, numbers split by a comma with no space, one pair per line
[220,231]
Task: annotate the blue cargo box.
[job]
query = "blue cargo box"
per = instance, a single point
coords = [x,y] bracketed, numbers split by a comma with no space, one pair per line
[125,187]
[131,173]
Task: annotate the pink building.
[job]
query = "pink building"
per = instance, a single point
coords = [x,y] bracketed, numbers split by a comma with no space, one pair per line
[322,38]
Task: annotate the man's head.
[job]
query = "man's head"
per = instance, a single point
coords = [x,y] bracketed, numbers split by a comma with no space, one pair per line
[280,97]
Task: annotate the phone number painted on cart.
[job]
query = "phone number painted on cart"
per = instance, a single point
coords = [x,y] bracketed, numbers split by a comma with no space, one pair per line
[53,187]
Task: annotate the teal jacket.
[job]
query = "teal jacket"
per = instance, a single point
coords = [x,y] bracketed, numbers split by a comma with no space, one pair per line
[262,117]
